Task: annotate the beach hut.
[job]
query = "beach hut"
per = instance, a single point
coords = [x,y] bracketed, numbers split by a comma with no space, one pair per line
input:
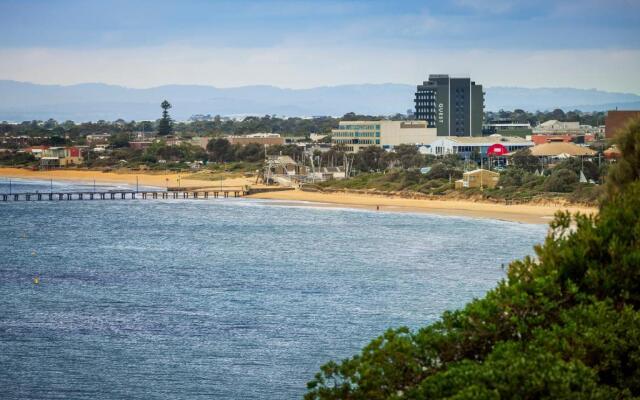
[478,178]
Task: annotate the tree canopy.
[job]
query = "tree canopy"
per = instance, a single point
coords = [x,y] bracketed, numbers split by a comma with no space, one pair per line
[165,125]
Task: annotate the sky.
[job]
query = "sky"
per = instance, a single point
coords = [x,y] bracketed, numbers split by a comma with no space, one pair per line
[301,44]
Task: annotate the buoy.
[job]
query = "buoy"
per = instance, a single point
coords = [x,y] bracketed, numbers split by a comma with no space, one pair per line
[36,280]
[33,253]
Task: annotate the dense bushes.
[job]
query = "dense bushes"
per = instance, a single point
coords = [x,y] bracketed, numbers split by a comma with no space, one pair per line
[562,325]
[11,158]
[561,180]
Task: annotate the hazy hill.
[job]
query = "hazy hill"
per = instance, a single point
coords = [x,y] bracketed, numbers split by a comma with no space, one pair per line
[92,101]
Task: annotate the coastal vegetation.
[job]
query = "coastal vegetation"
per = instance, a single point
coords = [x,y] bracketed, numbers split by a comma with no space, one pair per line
[564,324]
[403,172]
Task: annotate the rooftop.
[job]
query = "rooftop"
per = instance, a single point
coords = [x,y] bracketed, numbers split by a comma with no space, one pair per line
[486,139]
[555,149]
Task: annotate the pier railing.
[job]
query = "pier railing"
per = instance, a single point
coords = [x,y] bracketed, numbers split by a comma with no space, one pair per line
[123,195]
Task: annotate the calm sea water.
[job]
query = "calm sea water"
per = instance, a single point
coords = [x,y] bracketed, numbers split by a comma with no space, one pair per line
[221,299]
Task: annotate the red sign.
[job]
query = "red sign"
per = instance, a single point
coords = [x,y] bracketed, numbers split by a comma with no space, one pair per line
[497,150]
[74,152]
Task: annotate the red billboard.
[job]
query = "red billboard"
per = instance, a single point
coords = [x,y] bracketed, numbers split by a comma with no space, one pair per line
[497,150]
[74,152]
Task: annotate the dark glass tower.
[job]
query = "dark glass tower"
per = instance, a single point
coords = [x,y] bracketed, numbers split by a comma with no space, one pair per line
[455,106]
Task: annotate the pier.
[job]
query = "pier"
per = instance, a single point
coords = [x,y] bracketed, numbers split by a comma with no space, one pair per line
[123,195]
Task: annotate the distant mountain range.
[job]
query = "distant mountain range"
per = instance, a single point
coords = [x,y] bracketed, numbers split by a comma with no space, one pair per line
[20,101]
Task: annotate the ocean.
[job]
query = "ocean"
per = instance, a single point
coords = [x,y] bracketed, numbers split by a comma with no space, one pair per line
[224,298]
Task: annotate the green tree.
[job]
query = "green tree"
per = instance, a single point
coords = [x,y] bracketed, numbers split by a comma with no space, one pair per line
[165,126]
[627,168]
[220,150]
[523,159]
[561,180]
[119,140]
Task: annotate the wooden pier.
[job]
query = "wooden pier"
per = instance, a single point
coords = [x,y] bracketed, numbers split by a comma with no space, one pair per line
[123,195]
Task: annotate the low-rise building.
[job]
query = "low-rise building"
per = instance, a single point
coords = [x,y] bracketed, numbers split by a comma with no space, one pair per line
[61,157]
[36,151]
[266,139]
[97,138]
[356,135]
[561,150]
[507,127]
[617,120]
[140,145]
[478,178]
[470,147]
[557,127]
[567,138]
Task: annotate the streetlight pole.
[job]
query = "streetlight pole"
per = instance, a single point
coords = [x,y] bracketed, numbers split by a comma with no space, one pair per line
[137,190]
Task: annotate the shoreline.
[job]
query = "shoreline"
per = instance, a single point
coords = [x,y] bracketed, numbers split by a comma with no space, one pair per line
[523,213]
[142,178]
[528,214]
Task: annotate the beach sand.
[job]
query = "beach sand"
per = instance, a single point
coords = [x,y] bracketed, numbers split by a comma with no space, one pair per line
[144,178]
[532,214]
[535,214]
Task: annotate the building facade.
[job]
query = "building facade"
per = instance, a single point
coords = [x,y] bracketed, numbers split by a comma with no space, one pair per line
[474,147]
[617,120]
[356,135]
[454,106]
[266,139]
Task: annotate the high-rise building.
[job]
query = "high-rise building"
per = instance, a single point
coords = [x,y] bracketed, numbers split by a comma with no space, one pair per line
[455,106]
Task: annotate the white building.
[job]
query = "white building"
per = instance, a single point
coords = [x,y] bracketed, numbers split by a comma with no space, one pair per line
[466,146]
[356,135]
[555,126]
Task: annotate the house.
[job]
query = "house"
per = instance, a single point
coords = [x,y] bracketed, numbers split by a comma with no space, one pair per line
[98,138]
[36,151]
[478,178]
[54,157]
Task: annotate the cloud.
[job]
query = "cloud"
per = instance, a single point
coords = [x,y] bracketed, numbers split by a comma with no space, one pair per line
[303,66]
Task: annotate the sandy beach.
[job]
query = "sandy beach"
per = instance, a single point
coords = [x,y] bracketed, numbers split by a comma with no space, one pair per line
[144,178]
[532,214]
[536,214]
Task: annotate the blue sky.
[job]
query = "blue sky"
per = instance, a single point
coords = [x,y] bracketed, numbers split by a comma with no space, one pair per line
[288,43]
